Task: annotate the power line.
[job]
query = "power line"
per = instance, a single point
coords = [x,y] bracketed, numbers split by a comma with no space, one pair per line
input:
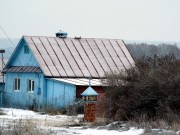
[7,36]
[12,43]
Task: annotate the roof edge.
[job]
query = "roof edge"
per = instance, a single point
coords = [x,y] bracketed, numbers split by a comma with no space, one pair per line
[12,55]
[75,38]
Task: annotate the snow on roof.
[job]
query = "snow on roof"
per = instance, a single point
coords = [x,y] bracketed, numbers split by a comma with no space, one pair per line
[70,57]
[82,82]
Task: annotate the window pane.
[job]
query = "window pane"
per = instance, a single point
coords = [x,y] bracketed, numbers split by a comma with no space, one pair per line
[15,87]
[18,84]
[26,49]
[29,85]
[32,85]
[14,84]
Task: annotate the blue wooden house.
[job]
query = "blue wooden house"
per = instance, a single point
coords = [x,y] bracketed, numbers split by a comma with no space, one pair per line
[52,72]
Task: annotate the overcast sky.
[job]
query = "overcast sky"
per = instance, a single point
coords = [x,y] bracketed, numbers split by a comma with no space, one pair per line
[152,20]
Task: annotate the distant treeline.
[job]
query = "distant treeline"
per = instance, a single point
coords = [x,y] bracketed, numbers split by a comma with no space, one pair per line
[145,50]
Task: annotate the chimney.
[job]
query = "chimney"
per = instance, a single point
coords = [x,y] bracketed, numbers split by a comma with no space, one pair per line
[61,34]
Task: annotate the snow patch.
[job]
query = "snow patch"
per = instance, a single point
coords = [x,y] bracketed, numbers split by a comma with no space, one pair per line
[55,123]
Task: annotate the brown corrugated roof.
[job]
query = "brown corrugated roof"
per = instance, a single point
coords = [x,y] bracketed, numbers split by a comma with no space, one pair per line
[69,57]
[26,69]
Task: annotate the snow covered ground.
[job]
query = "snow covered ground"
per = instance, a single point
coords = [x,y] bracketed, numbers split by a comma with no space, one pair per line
[62,124]
[59,124]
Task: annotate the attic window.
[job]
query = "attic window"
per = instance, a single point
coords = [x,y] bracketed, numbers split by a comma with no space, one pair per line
[26,49]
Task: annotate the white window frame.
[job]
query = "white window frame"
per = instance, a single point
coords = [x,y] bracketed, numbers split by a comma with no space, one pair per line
[30,85]
[16,84]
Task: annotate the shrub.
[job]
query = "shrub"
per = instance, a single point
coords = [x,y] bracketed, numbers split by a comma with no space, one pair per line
[152,88]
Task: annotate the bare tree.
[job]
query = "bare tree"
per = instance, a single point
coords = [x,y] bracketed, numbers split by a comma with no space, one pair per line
[151,89]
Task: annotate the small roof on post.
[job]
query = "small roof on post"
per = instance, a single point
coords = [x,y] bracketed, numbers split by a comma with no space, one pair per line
[89,92]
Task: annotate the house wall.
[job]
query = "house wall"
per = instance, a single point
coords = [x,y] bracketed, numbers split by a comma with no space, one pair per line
[19,58]
[23,98]
[2,85]
[60,94]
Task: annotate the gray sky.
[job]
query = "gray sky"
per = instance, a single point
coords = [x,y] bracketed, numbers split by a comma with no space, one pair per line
[157,20]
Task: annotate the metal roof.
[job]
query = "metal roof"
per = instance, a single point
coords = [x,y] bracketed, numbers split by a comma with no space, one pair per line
[22,69]
[69,57]
[80,82]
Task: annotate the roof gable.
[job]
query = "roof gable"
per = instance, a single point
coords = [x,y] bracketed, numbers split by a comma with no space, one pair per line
[19,58]
[69,57]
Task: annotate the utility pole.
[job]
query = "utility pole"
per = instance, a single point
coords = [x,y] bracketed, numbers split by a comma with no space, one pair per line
[1,92]
[2,58]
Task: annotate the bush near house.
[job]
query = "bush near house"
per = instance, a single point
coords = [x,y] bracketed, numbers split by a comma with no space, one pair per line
[149,91]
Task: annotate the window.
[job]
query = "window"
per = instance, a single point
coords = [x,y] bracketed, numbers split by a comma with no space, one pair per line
[30,85]
[16,84]
[26,49]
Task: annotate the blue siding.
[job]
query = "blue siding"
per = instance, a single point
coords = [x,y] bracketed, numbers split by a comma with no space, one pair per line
[19,58]
[60,94]
[47,93]
[2,85]
[23,98]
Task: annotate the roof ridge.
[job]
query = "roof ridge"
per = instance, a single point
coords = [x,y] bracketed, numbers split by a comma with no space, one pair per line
[74,37]
[75,55]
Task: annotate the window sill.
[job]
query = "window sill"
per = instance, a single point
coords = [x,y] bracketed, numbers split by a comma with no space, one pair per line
[30,92]
[16,90]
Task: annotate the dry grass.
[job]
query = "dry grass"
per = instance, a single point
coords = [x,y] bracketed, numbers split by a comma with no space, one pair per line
[155,124]
[175,126]
[100,122]
[22,127]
